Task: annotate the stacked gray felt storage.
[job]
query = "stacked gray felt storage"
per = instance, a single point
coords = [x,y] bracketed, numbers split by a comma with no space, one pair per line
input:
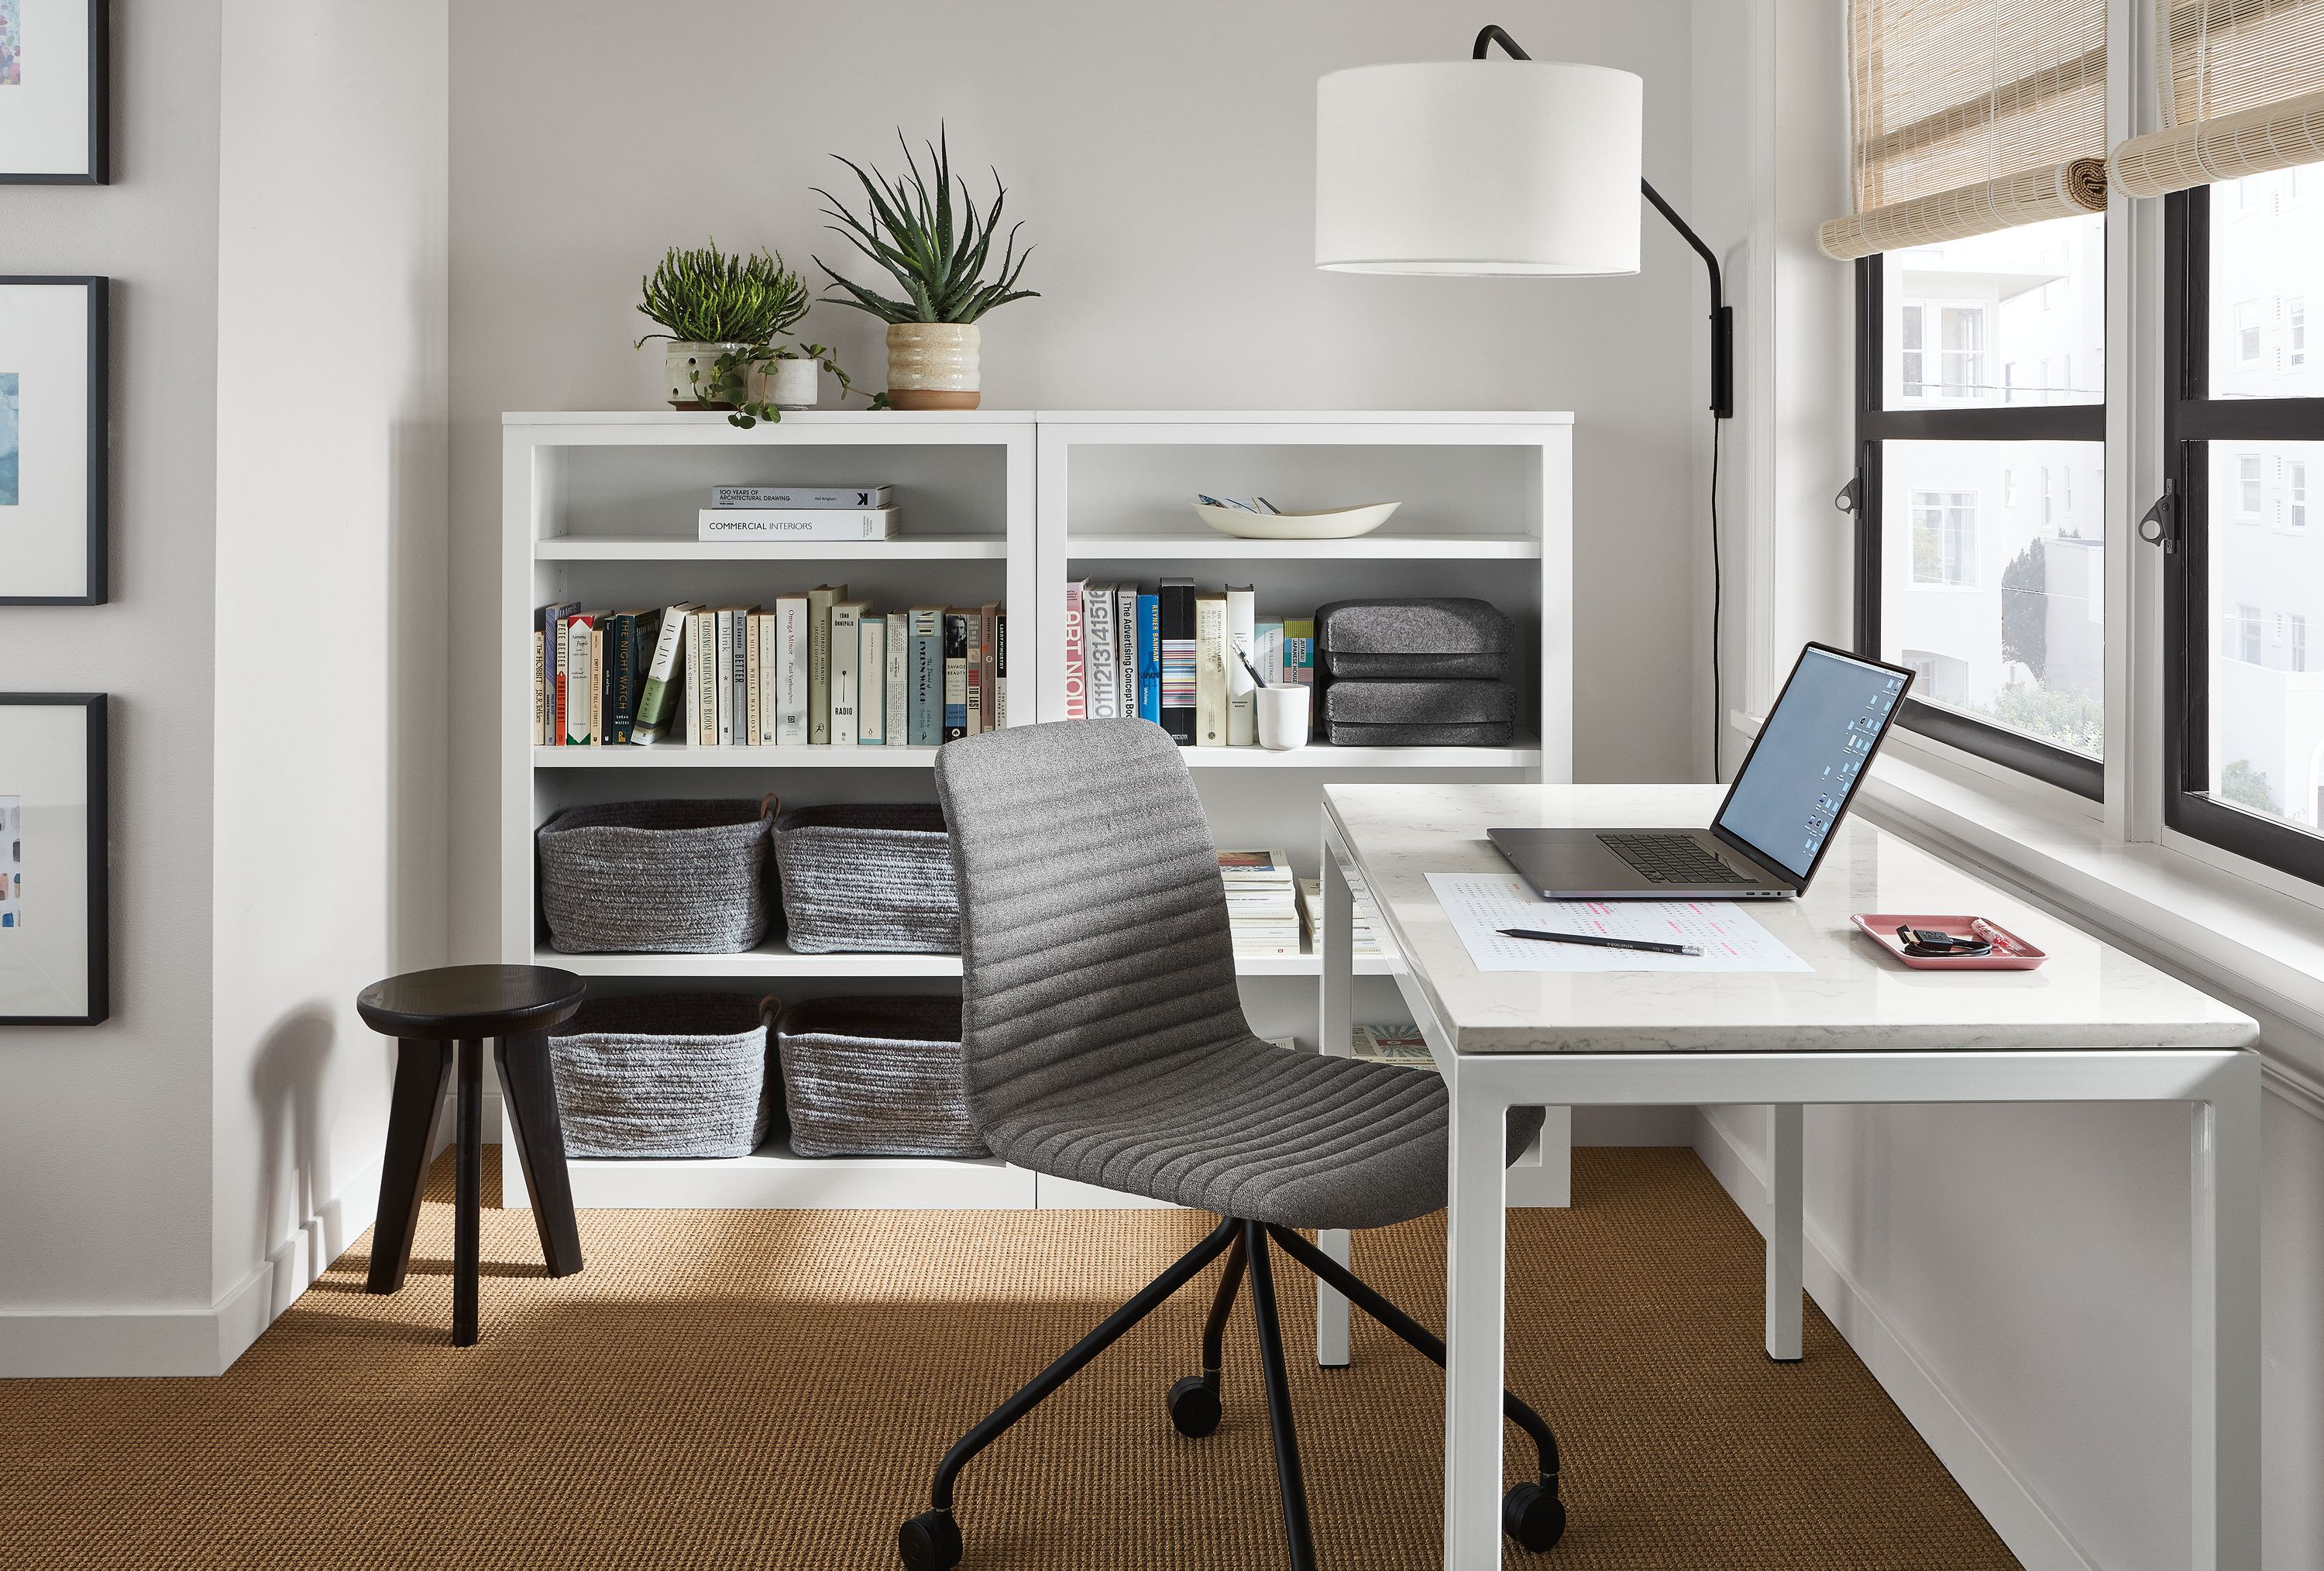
[1403,672]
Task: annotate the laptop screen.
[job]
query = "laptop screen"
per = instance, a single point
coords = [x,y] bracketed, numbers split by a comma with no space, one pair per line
[1811,756]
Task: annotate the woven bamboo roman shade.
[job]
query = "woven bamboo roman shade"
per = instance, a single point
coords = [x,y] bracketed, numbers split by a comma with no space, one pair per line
[2243,89]
[1970,116]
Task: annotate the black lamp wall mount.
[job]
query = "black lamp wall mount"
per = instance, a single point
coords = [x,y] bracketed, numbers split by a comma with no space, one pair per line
[1723,315]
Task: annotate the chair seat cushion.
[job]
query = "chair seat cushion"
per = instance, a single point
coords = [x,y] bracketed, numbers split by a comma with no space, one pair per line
[1251,1130]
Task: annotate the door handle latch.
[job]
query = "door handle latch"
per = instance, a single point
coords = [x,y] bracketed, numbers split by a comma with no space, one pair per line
[2159,524]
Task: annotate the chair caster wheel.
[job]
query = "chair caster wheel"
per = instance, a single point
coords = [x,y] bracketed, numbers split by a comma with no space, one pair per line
[929,1542]
[1194,1407]
[1534,1517]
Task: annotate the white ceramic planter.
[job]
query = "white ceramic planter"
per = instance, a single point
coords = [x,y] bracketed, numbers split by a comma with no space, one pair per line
[932,364]
[794,384]
[683,364]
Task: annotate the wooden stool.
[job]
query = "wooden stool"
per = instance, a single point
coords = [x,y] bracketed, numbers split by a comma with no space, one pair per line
[427,1012]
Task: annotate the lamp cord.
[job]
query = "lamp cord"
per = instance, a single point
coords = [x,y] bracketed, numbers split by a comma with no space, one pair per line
[1718,697]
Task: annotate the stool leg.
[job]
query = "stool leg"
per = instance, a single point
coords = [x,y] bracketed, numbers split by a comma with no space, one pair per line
[529,1090]
[468,1193]
[420,1071]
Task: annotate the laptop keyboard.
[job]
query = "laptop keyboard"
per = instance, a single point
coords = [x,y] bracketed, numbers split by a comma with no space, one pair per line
[1671,859]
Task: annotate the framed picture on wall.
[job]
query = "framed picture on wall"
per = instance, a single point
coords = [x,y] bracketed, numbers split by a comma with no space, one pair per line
[53,882]
[54,70]
[52,456]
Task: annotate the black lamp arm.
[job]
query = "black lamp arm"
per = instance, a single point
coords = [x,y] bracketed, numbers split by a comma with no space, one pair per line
[1723,315]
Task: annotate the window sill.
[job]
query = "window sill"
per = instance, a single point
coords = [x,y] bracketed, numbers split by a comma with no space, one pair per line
[2259,948]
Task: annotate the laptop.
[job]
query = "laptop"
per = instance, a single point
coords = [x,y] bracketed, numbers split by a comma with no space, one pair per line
[1779,815]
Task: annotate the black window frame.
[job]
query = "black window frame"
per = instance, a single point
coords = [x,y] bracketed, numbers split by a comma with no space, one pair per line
[2191,420]
[1875,424]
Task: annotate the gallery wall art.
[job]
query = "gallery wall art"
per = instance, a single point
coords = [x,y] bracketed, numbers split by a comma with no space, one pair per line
[54,74]
[52,440]
[54,895]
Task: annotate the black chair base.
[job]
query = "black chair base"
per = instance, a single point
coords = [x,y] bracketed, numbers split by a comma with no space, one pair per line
[1531,1514]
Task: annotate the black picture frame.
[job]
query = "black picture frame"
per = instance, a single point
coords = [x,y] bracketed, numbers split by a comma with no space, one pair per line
[99,170]
[97,998]
[100,424]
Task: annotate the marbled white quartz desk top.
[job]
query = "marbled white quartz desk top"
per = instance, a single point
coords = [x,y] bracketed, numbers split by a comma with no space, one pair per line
[1858,999]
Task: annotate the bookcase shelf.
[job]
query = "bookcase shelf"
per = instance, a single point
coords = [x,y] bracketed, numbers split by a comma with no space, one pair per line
[601,506]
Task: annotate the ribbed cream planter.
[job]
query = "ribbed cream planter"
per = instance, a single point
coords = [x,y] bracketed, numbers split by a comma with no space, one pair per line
[932,364]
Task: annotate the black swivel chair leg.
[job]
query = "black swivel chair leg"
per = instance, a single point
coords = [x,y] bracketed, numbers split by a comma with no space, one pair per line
[1195,1403]
[1532,1513]
[930,1541]
[1297,1530]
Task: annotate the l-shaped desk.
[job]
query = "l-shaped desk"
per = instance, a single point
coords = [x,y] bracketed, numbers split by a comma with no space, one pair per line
[2093,1024]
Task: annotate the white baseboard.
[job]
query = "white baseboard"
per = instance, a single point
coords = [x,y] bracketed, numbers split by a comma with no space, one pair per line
[105,1342]
[2014,1511]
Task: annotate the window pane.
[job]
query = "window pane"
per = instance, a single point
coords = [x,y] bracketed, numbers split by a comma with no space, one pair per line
[2267,265]
[1994,593]
[2005,317]
[2267,592]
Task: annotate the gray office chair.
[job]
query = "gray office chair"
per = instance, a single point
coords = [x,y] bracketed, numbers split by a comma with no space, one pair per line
[1104,1042]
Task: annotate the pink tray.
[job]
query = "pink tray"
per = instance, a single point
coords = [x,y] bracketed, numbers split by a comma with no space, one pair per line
[2010,952]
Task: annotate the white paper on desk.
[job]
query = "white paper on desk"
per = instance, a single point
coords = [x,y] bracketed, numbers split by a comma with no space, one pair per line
[1482,904]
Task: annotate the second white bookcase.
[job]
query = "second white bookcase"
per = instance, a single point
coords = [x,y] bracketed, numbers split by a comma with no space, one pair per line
[1005,505]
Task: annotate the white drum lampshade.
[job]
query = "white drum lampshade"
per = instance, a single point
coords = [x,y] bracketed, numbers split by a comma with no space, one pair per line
[1528,167]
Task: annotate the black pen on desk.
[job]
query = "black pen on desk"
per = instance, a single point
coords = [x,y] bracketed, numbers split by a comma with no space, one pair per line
[1595,942]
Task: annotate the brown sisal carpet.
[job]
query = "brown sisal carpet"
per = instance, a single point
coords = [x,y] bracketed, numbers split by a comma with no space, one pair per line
[769,1389]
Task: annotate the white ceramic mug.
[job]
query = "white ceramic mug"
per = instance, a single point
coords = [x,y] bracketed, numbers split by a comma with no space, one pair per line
[1283,716]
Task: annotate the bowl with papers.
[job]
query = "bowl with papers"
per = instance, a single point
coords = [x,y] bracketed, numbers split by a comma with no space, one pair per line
[1245,522]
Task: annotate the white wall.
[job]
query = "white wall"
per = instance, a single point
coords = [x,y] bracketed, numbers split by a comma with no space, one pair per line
[1162,158]
[331,855]
[102,1164]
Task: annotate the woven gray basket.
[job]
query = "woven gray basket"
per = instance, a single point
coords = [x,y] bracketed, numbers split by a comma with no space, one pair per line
[876,876]
[876,1076]
[665,1074]
[671,877]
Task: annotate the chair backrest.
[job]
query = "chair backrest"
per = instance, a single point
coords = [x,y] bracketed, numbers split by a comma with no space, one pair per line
[1094,927]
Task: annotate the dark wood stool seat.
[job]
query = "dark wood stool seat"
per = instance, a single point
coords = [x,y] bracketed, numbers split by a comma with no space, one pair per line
[436,1016]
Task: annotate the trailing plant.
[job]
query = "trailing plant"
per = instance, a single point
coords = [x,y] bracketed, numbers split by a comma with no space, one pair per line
[708,297]
[937,255]
[730,380]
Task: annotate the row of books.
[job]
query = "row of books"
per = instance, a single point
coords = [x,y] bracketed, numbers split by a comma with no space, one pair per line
[1166,657]
[1270,910]
[816,669]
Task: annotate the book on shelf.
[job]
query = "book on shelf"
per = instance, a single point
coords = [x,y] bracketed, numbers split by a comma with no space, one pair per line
[846,617]
[1176,631]
[753,690]
[1299,648]
[790,670]
[988,660]
[1242,700]
[1100,651]
[834,497]
[1076,673]
[1149,658]
[871,679]
[1209,670]
[637,636]
[956,676]
[765,666]
[1366,938]
[924,725]
[1399,1043]
[999,668]
[819,602]
[573,689]
[1125,651]
[896,722]
[803,523]
[657,699]
[973,666]
[701,682]
[552,626]
[598,679]
[540,692]
[723,682]
[1262,901]
[738,679]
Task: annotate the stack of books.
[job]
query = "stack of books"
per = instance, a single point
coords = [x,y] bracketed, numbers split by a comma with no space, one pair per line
[1164,657]
[1311,908]
[1401,1044]
[797,513]
[1262,903]
[820,669]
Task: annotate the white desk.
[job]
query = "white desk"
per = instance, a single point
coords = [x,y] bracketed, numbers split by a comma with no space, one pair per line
[2092,1024]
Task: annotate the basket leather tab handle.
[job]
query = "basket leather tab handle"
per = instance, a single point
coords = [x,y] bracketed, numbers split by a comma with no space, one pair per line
[770,1009]
[770,806]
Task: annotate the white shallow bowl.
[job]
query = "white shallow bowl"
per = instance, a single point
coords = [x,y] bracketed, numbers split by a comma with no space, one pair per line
[1339,523]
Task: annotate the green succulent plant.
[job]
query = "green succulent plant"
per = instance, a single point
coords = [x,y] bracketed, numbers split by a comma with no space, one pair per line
[936,255]
[708,297]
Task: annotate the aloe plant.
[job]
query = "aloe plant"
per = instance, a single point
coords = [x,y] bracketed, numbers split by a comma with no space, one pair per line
[708,297]
[937,257]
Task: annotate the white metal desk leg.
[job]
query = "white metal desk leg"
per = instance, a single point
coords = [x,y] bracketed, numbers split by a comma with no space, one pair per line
[1785,1198]
[1475,1274]
[1335,1018]
[2224,1140]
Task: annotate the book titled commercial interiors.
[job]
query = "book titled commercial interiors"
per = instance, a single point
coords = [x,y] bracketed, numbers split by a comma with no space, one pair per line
[797,513]
[818,668]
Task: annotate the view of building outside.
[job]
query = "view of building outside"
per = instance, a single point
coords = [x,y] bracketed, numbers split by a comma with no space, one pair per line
[1993,554]
[2266,506]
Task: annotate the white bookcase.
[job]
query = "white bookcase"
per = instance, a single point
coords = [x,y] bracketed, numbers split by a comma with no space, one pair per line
[600,508]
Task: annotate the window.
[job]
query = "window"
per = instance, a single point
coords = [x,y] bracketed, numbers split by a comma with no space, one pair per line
[2046,504]
[1912,377]
[2009,382]
[2066,490]
[2009,488]
[2244,418]
[1964,334]
[1944,537]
